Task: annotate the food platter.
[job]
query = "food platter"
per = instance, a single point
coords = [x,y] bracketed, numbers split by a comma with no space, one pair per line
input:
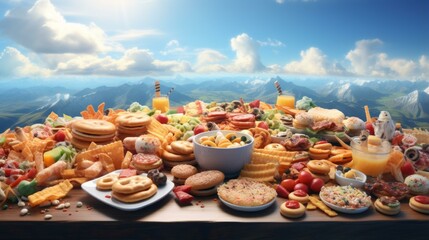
[105,196]
[342,209]
[248,208]
[325,135]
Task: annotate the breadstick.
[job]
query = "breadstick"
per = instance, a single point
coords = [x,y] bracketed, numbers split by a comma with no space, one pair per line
[322,206]
[368,116]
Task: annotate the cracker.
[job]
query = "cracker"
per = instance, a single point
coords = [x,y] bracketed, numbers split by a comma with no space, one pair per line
[319,204]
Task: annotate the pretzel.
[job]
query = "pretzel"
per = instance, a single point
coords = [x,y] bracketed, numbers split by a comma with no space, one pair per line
[131,185]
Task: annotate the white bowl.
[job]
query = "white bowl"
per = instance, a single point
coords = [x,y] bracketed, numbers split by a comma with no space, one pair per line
[354,182]
[230,161]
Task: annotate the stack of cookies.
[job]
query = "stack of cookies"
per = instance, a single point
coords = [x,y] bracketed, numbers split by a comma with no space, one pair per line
[85,131]
[132,124]
[133,189]
[178,152]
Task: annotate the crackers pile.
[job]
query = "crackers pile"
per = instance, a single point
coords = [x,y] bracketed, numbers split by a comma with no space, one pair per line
[178,152]
[85,131]
[132,124]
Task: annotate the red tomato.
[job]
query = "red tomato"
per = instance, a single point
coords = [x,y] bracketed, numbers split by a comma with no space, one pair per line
[281,191]
[199,129]
[321,142]
[305,177]
[162,118]
[288,184]
[60,136]
[301,186]
[407,169]
[369,127]
[422,199]
[263,125]
[293,204]
[316,185]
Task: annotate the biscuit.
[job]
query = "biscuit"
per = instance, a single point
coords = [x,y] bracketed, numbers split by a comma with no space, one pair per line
[176,157]
[137,119]
[106,182]
[171,164]
[205,183]
[92,138]
[79,144]
[146,162]
[181,172]
[292,212]
[137,196]
[131,184]
[182,147]
[94,126]
[379,206]
[419,207]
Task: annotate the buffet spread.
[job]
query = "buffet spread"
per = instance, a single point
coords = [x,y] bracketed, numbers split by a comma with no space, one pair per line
[248,155]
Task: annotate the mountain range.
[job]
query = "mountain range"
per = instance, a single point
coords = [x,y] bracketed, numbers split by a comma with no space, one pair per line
[408,102]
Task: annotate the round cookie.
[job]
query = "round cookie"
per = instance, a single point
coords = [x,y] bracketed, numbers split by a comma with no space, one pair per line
[318,167]
[133,119]
[182,147]
[146,162]
[181,172]
[92,138]
[418,206]
[205,183]
[386,209]
[299,195]
[172,164]
[94,126]
[292,209]
[134,131]
[176,157]
[79,144]
[137,196]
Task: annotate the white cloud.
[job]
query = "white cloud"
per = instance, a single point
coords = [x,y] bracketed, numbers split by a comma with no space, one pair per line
[50,32]
[14,64]
[313,62]
[209,60]
[173,47]
[246,54]
[272,43]
[134,62]
[368,61]
[280,1]
[134,34]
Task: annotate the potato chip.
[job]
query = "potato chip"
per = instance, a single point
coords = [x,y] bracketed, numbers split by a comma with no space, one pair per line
[114,150]
[50,193]
[106,161]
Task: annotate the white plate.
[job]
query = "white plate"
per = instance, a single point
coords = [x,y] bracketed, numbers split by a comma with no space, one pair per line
[247,208]
[344,210]
[91,188]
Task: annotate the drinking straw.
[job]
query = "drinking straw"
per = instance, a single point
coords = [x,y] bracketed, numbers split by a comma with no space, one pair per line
[279,89]
[368,116]
[157,89]
[169,92]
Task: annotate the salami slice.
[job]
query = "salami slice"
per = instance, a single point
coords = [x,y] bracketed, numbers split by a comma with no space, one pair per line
[145,159]
[244,118]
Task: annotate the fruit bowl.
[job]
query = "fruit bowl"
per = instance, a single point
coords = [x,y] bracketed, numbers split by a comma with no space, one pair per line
[230,161]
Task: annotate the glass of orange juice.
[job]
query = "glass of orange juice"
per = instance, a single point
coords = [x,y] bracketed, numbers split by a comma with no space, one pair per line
[161,103]
[370,160]
[286,99]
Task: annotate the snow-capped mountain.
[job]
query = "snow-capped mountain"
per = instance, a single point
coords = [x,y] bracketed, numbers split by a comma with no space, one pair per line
[415,104]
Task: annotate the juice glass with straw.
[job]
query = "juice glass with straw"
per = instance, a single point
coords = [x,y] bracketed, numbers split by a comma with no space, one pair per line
[284,98]
[160,102]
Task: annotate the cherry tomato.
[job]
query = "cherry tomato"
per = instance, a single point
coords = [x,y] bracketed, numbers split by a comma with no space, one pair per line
[199,129]
[293,204]
[316,185]
[263,125]
[281,191]
[162,118]
[60,136]
[407,169]
[301,186]
[305,177]
[422,199]
[288,184]
[369,127]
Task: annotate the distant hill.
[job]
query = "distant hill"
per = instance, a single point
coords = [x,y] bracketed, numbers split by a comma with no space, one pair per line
[408,102]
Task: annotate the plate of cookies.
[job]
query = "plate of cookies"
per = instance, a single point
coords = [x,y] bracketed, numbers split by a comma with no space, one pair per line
[127,192]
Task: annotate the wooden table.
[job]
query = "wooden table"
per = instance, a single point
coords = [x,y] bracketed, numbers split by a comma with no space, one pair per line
[206,218]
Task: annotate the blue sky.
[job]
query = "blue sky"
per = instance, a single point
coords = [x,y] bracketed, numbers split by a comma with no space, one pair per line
[126,39]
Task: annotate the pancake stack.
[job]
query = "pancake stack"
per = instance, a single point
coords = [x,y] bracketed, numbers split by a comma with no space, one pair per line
[132,124]
[85,131]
